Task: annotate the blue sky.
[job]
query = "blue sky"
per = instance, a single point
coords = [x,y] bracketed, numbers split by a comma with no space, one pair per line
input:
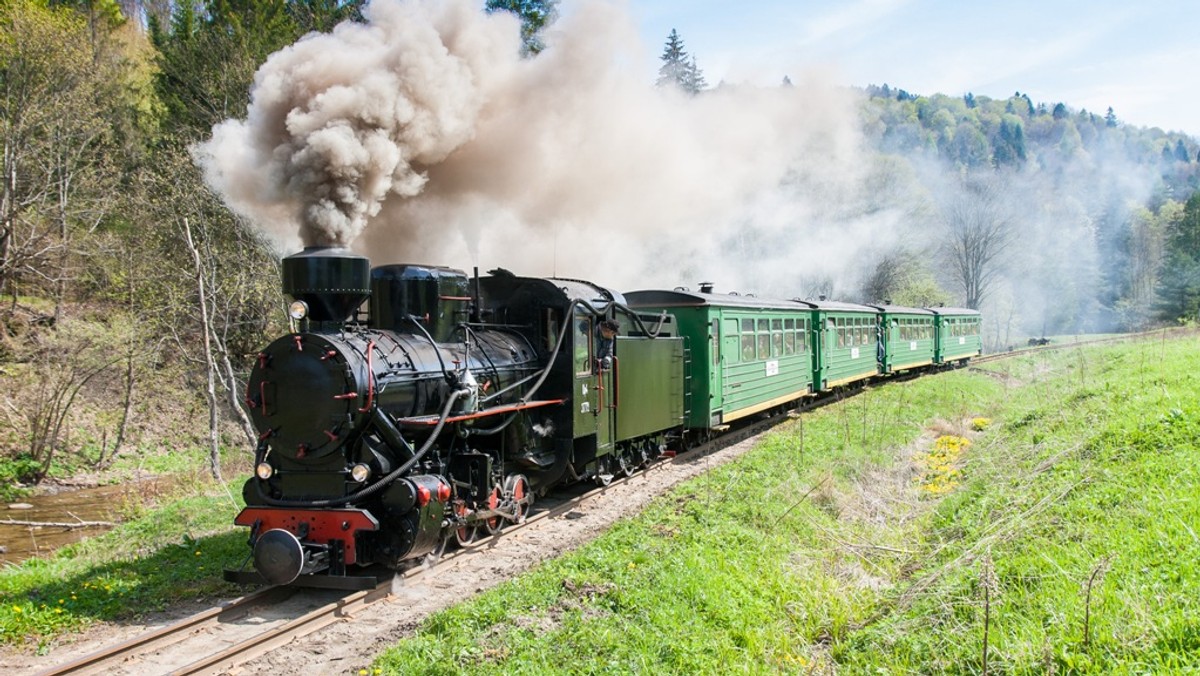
[1140,57]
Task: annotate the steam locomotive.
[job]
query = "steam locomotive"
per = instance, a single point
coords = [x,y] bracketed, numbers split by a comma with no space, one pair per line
[439,414]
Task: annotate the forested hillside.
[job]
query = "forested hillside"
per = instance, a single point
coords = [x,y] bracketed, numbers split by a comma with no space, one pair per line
[1070,220]
[132,298]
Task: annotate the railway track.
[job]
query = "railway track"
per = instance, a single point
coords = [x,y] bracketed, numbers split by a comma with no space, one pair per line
[251,626]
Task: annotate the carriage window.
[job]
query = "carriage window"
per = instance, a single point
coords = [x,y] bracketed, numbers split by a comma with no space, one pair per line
[714,337]
[789,336]
[583,345]
[747,340]
[776,337]
[764,339]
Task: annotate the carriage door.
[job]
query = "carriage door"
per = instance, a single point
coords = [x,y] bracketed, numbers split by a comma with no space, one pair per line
[593,395]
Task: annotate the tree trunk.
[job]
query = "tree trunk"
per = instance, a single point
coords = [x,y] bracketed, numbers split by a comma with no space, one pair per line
[210,392]
[234,388]
[7,216]
[127,408]
[60,286]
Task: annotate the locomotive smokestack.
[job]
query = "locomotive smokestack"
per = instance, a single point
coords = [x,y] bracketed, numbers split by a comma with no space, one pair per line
[333,282]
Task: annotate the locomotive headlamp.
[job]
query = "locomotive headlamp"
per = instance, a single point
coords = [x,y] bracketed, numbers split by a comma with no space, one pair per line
[360,473]
[298,310]
[264,471]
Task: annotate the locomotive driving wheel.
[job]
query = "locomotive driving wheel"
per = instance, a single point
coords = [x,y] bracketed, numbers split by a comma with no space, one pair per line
[604,471]
[516,489]
[625,466]
[464,534]
[440,548]
[495,523]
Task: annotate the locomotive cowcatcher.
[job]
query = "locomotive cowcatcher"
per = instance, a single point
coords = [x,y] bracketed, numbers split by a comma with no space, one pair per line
[440,412]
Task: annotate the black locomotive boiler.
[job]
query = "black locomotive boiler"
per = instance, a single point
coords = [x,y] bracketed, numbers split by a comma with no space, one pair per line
[439,414]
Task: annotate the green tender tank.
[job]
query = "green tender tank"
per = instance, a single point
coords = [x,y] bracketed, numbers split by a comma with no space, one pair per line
[648,386]
[746,354]
[908,335]
[958,334]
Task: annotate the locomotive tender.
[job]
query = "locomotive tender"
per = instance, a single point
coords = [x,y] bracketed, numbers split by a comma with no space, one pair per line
[440,414]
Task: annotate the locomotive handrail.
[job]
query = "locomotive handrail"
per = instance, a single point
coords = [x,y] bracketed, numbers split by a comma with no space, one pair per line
[616,378]
[370,378]
[417,323]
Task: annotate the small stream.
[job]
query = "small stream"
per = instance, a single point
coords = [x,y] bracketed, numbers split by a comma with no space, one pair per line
[103,503]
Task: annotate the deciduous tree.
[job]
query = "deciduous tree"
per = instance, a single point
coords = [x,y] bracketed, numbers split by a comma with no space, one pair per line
[978,233]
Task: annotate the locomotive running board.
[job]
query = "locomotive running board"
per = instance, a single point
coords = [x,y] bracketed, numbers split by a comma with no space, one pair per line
[369,579]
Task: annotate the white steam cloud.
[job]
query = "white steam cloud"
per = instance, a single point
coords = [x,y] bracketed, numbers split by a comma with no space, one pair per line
[423,136]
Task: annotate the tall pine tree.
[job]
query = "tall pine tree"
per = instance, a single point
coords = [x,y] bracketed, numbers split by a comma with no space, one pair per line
[679,69]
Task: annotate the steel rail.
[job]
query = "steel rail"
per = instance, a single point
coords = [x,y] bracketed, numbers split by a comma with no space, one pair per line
[96,662]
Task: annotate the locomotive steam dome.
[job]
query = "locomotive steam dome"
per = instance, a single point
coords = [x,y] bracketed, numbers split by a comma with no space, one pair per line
[333,282]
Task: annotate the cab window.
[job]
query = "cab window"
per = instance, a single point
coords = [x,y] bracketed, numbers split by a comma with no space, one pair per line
[583,345]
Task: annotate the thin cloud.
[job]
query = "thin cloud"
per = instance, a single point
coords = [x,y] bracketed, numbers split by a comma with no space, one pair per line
[847,19]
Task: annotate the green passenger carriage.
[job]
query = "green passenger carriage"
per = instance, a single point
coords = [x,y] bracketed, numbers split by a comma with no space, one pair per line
[908,335]
[747,354]
[958,334]
[847,342]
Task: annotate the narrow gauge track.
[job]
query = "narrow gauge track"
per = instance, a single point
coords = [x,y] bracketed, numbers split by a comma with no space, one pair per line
[319,608]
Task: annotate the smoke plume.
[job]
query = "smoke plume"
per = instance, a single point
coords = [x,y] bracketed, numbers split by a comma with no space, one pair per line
[421,135]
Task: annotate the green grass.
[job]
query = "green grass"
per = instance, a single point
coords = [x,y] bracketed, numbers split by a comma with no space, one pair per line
[825,547]
[169,554]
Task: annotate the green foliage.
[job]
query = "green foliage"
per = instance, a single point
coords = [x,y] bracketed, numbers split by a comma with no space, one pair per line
[166,555]
[904,279]
[1178,292]
[535,15]
[209,57]
[18,469]
[323,15]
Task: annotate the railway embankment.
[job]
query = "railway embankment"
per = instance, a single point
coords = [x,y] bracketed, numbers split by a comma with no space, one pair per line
[1049,496]
[1037,514]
